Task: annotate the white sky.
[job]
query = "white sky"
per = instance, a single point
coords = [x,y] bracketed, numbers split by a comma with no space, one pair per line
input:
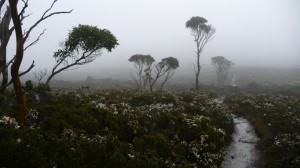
[248,32]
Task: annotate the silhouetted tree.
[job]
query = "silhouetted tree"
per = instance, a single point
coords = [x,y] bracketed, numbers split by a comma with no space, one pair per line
[83,45]
[143,68]
[222,66]
[202,33]
[164,67]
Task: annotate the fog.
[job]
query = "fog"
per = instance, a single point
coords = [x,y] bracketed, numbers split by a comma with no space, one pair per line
[248,32]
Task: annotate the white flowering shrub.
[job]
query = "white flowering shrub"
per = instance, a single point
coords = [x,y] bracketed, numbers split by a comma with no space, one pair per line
[118,128]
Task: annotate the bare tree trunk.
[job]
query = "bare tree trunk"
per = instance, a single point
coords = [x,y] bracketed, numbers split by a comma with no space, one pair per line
[168,76]
[197,80]
[20,96]
[198,68]
[49,78]
[5,36]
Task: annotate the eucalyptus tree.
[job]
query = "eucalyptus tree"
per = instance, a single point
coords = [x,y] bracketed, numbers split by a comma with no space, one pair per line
[21,37]
[82,46]
[143,68]
[222,66]
[202,33]
[164,67]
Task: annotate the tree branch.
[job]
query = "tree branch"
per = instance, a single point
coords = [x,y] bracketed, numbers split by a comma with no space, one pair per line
[35,41]
[23,9]
[21,74]
[1,3]
[44,16]
[29,69]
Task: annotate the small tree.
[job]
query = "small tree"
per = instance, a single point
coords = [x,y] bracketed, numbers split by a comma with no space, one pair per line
[165,66]
[83,45]
[222,66]
[143,67]
[202,34]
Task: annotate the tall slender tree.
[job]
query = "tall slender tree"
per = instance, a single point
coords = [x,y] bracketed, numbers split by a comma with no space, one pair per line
[202,33]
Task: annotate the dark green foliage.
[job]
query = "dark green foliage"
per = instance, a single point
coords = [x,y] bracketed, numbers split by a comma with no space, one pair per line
[147,98]
[171,62]
[37,92]
[7,102]
[79,128]
[83,45]
[195,22]
[141,59]
[87,38]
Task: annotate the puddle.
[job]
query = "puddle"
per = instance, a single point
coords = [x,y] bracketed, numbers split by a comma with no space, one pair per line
[219,99]
[242,152]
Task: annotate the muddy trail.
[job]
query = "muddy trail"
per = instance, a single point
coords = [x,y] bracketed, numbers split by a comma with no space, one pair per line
[242,152]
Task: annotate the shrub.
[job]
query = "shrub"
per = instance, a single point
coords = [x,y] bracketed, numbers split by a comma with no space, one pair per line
[117,128]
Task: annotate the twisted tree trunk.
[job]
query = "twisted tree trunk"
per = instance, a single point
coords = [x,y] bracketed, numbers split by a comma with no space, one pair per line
[20,96]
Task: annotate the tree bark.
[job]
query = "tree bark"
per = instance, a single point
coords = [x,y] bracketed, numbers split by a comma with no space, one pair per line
[50,77]
[20,96]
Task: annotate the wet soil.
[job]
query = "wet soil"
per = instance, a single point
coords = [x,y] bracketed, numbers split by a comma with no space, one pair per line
[242,152]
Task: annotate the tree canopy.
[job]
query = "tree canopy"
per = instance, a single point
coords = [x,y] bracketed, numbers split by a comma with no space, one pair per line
[171,62]
[141,59]
[195,22]
[89,38]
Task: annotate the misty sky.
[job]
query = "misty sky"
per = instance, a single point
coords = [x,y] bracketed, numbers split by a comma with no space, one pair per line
[248,32]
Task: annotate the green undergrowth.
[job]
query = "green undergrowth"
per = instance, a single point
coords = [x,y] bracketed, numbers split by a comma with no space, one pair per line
[114,128]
